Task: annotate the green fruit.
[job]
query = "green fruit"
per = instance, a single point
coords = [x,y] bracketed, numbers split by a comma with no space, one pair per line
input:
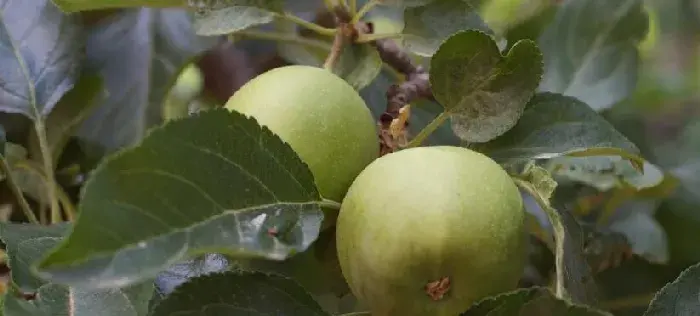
[322,118]
[424,215]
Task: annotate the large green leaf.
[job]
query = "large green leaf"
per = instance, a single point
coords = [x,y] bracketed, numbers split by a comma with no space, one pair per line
[239,293]
[40,53]
[678,298]
[484,92]
[213,182]
[138,53]
[555,125]
[427,26]
[590,50]
[579,144]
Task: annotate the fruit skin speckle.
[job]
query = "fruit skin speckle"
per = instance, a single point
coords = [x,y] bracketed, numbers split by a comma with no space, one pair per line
[431,230]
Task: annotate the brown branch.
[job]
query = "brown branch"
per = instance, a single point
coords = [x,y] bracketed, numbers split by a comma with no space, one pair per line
[416,86]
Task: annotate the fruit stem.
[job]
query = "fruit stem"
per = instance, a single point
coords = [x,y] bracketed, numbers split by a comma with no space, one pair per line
[365,38]
[329,204]
[428,129]
[283,38]
[309,25]
[364,10]
[336,50]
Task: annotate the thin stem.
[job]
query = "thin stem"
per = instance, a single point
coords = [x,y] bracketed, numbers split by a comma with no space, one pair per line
[365,38]
[23,204]
[364,10]
[283,38]
[353,7]
[336,50]
[429,129]
[309,25]
[39,126]
[49,172]
[330,204]
[68,207]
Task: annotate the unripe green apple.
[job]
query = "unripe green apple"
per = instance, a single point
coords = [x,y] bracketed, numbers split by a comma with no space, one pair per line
[320,116]
[430,231]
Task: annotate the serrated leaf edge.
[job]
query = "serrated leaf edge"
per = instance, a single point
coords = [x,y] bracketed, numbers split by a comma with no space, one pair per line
[107,161]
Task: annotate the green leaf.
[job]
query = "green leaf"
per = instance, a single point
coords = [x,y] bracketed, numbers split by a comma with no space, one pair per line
[40,59]
[317,269]
[234,293]
[484,92]
[554,125]
[212,182]
[25,244]
[138,53]
[573,275]
[534,301]
[679,297]
[427,26]
[358,64]
[70,6]
[59,300]
[228,20]
[606,172]
[73,108]
[590,50]
[51,300]
[181,272]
